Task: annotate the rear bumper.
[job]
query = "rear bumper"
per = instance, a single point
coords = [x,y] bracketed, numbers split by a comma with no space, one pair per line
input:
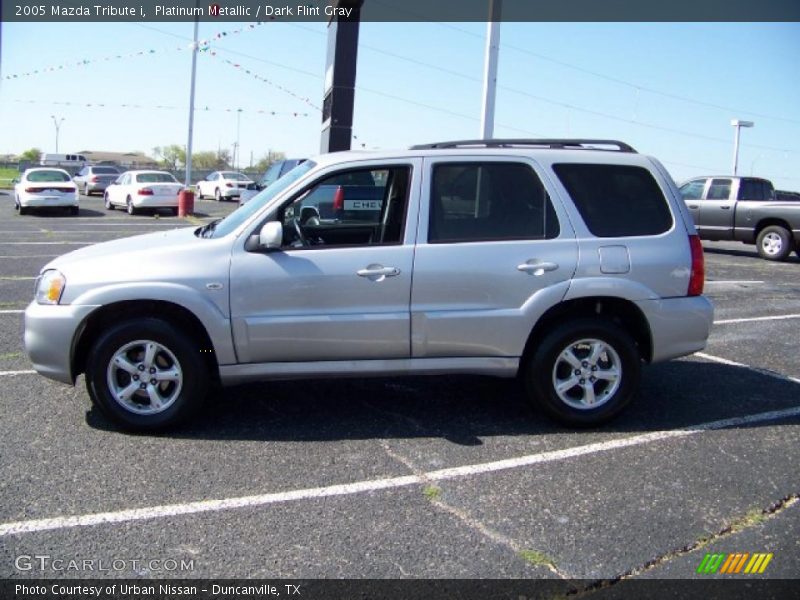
[155,201]
[48,201]
[678,326]
[49,334]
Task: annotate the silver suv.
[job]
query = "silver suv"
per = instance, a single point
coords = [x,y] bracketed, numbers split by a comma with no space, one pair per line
[568,263]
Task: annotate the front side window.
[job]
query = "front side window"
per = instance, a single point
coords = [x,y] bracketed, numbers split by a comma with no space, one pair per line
[616,200]
[720,189]
[693,190]
[489,201]
[357,207]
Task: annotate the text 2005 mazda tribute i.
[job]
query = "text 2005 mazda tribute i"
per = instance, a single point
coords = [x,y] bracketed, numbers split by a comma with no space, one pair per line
[567,262]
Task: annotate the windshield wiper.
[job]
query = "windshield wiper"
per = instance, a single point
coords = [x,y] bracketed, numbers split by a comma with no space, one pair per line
[206,230]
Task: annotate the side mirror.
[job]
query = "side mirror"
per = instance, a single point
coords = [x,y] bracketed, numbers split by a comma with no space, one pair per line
[271,235]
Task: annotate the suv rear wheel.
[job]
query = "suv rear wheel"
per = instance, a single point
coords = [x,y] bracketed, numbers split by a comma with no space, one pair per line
[146,375]
[584,372]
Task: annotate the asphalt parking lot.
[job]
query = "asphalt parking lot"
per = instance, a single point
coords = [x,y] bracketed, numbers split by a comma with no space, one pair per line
[440,477]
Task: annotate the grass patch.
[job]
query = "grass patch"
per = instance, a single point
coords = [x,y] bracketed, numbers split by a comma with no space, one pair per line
[432,493]
[536,558]
[754,516]
[8,355]
[6,176]
[7,305]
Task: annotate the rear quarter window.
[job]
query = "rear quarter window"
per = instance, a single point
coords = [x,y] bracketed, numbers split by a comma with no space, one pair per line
[616,200]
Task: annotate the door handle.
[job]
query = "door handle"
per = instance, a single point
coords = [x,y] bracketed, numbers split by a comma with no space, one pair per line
[725,207]
[378,272]
[535,267]
[695,206]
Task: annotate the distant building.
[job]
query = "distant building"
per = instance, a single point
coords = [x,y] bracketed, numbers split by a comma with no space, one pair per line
[129,160]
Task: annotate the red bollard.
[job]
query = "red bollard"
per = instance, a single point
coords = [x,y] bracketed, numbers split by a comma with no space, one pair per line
[185,203]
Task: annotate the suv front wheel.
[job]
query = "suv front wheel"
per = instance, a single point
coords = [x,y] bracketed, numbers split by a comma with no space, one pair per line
[584,372]
[146,375]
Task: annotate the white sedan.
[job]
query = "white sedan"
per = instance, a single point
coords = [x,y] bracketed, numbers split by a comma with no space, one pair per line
[223,185]
[45,187]
[135,190]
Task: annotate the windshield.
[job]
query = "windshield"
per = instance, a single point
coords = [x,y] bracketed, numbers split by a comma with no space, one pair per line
[155,178]
[264,197]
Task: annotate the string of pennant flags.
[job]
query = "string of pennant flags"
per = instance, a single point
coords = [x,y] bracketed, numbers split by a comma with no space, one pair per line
[271,113]
[202,46]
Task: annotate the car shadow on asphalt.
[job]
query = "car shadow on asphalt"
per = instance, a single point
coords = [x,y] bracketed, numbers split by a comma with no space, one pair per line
[465,409]
[792,258]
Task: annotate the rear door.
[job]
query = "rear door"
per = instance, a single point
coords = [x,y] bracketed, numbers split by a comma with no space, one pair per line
[491,244]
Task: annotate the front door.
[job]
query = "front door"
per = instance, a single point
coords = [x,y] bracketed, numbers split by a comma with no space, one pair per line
[715,218]
[339,287]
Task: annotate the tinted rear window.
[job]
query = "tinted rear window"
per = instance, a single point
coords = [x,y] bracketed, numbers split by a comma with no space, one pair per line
[155,178]
[616,200]
[48,176]
[105,170]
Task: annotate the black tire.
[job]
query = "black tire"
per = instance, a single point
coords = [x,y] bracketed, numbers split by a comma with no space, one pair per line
[199,193]
[130,207]
[107,200]
[774,243]
[86,190]
[194,369]
[545,364]
[174,212]
[74,211]
[23,210]
[217,195]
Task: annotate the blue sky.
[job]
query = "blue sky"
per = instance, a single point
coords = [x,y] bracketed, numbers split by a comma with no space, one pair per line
[668,89]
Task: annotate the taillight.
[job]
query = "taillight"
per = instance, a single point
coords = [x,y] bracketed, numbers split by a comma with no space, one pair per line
[338,199]
[145,192]
[34,190]
[698,275]
[228,185]
[94,179]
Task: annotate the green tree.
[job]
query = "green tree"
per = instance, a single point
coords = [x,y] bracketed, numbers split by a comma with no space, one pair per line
[31,155]
[170,156]
[270,157]
[204,160]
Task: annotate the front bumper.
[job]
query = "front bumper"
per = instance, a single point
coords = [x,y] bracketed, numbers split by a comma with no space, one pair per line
[678,326]
[49,334]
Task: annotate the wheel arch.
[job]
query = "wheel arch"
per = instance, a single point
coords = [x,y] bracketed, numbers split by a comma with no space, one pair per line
[622,312]
[769,221]
[116,312]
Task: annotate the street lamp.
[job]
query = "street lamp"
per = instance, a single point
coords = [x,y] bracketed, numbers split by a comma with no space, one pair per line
[236,153]
[738,125]
[57,123]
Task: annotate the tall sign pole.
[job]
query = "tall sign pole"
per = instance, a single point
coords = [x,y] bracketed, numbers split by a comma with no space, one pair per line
[340,78]
[188,160]
[490,68]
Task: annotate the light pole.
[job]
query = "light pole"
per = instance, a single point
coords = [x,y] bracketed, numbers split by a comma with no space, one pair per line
[236,155]
[490,69]
[737,124]
[57,123]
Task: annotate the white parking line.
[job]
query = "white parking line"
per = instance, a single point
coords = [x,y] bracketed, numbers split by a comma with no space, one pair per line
[752,319]
[15,278]
[12,373]
[372,485]
[733,363]
[50,243]
[732,281]
[11,312]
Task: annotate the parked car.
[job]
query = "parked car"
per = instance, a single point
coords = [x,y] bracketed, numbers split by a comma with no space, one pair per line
[744,209]
[222,185]
[95,178]
[44,188]
[135,190]
[275,171]
[62,160]
[549,259]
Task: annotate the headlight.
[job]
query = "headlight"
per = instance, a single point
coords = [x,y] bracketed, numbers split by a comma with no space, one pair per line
[50,287]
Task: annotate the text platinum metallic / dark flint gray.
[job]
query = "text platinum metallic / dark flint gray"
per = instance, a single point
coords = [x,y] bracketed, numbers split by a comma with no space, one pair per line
[570,263]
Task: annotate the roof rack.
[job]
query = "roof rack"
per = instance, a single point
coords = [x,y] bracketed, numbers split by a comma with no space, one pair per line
[609,145]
